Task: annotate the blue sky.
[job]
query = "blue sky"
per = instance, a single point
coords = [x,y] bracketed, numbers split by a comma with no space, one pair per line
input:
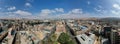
[59,8]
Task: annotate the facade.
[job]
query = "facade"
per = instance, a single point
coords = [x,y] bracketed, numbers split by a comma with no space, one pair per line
[115,37]
[84,39]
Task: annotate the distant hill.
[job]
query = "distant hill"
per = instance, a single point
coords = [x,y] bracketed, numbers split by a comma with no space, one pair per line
[110,19]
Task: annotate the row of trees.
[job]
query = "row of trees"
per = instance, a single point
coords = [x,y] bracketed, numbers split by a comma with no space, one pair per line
[64,38]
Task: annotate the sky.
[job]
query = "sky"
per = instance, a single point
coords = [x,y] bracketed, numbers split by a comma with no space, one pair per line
[40,9]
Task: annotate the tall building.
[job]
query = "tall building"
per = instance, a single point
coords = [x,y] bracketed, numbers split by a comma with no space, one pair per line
[115,37]
[107,31]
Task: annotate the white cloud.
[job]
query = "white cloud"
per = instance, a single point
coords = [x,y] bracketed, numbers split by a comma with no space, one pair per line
[0,8]
[17,14]
[28,4]
[12,8]
[117,6]
[23,13]
[59,9]
[46,12]
[59,13]
[99,6]
[76,11]
[98,10]
[115,12]
[88,2]
[106,13]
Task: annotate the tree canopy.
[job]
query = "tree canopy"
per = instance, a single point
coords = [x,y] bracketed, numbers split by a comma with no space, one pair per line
[64,38]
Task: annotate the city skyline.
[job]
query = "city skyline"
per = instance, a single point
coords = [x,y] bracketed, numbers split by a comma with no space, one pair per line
[59,8]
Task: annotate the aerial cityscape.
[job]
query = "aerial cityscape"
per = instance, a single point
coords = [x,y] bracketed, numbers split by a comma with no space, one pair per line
[59,21]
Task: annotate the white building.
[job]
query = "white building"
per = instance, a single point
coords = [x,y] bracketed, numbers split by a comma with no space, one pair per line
[84,39]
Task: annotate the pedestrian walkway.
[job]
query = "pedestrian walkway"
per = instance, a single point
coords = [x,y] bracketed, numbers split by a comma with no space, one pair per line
[23,40]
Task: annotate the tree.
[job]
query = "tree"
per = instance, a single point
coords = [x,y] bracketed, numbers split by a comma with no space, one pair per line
[51,40]
[53,37]
[64,38]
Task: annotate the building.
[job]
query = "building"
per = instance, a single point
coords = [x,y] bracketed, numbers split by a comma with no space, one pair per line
[115,37]
[107,31]
[84,39]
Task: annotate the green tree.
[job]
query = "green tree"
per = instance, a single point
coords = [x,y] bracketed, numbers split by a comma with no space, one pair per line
[53,37]
[51,40]
[64,38]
